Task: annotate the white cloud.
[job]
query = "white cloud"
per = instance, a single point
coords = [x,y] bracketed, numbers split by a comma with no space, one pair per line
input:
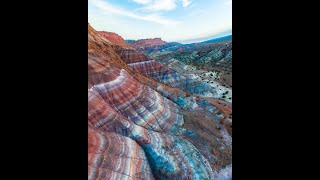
[157,5]
[142,1]
[229,3]
[156,18]
[186,3]
[161,5]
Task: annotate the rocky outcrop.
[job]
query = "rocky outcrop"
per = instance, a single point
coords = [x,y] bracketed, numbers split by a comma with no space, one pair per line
[140,63]
[163,74]
[138,103]
[130,55]
[147,43]
[114,38]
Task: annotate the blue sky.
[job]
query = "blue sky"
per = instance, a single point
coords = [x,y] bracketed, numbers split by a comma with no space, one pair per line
[172,20]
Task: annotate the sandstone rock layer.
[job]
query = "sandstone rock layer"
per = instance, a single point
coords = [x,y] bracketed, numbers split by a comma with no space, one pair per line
[136,118]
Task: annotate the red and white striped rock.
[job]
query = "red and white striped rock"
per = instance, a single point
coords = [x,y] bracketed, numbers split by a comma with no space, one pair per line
[134,132]
[112,156]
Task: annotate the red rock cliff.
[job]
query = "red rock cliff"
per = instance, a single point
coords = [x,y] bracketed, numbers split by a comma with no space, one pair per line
[147,43]
[114,38]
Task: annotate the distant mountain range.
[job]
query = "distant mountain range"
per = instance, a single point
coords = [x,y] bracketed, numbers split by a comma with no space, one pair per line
[159,41]
[157,45]
[219,39]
